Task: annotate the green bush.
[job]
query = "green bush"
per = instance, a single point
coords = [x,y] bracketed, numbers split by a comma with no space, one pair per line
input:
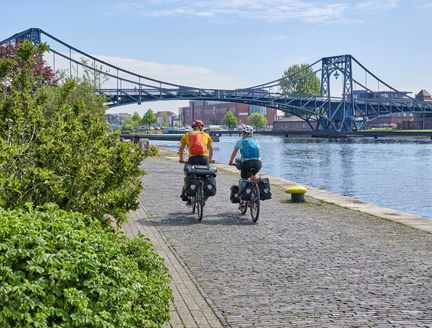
[62,269]
[151,151]
[55,146]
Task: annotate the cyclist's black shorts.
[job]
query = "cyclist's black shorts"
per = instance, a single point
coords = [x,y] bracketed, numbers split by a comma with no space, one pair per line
[198,160]
[248,165]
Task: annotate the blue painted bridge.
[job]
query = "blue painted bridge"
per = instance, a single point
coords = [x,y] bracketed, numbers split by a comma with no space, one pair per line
[333,94]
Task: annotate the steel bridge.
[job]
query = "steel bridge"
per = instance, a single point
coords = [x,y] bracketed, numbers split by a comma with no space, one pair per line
[328,104]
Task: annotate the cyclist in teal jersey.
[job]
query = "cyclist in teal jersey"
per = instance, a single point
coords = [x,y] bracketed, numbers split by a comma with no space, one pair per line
[249,150]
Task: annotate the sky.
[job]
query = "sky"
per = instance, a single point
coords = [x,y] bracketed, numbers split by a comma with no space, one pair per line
[237,43]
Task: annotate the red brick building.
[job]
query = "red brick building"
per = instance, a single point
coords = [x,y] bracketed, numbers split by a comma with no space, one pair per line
[404,120]
[393,120]
[291,123]
[213,112]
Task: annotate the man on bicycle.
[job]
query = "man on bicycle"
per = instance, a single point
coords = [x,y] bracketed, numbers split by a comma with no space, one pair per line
[249,150]
[200,148]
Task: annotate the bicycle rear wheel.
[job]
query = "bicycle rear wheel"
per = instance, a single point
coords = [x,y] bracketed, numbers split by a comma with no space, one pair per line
[255,203]
[199,201]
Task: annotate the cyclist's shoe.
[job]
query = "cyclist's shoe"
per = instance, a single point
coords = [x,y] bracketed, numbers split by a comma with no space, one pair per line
[184,197]
[188,202]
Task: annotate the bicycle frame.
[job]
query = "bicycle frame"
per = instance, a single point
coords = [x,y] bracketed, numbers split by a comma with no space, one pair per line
[254,202]
[198,200]
[201,171]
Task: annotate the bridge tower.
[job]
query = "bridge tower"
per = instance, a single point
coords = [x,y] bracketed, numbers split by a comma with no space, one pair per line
[340,115]
[32,34]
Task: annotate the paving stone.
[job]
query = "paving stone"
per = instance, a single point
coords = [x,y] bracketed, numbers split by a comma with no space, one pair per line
[307,264]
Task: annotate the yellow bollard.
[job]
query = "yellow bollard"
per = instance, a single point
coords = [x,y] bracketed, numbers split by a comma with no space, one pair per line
[297,193]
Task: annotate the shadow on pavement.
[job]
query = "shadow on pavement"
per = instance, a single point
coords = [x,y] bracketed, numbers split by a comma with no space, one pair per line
[183,219]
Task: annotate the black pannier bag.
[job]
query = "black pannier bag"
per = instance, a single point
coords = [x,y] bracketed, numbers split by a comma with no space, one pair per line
[191,184]
[209,186]
[192,181]
[264,188]
[234,196]
[200,169]
[245,189]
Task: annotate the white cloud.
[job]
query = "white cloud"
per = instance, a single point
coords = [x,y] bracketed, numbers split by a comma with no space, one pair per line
[195,76]
[377,5]
[427,4]
[264,10]
[307,11]
[266,38]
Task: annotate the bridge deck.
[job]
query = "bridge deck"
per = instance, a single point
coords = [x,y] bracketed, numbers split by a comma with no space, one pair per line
[334,134]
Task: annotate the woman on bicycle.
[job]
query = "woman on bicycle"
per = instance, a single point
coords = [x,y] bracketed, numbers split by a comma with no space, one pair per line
[249,151]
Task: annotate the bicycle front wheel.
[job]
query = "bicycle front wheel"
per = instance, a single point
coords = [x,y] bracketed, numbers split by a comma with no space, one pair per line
[200,202]
[255,203]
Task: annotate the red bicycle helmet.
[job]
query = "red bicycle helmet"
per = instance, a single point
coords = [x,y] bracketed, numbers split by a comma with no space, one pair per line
[197,123]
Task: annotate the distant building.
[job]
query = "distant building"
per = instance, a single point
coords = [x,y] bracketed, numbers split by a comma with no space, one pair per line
[213,112]
[115,120]
[111,118]
[404,120]
[423,95]
[165,118]
[422,121]
[394,120]
[291,123]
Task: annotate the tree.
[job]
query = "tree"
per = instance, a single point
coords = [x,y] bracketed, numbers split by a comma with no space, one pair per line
[305,86]
[55,146]
[149,118]
[15,55]
[136,117]
[257,120]
[131,123]
[230,120]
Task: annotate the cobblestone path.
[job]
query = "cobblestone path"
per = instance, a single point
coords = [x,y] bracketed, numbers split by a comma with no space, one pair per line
[302,265]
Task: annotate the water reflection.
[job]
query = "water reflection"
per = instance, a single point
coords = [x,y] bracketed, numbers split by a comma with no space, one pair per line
[395,174]
[346,153]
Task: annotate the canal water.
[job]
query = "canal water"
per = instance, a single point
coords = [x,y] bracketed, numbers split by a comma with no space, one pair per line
[394,174]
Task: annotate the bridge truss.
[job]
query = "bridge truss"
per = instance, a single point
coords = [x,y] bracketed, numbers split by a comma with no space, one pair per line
[313,93]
